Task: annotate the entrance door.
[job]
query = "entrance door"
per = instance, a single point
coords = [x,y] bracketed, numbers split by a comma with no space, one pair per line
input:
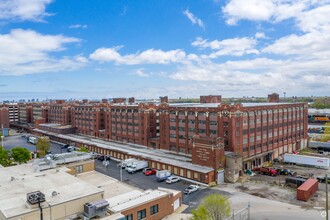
[176,204]
[221,176]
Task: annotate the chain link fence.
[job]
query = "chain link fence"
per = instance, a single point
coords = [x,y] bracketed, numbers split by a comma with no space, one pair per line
[243,214]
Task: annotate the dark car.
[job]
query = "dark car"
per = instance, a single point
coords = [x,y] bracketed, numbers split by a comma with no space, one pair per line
[286,172]
[321,179]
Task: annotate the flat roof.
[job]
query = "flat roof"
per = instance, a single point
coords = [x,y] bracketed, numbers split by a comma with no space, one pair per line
[111,186]
[17,181]
[135,150]
[314,111]
[195,105]
[59,126]
[256,104]
[131,199]
[214,105]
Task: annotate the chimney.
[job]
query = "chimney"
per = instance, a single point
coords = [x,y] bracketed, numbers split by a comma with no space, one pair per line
[164,99]
[131,100]
[118,100]
[273,97]
[210,99]
[60,101]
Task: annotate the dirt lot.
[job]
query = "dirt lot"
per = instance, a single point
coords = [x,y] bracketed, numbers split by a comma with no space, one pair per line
[274,188]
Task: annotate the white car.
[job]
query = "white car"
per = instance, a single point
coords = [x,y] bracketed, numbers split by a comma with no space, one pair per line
[172,179]
[191,189]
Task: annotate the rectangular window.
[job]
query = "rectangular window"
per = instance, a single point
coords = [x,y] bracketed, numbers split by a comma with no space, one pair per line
[153,209]
[129,217]
[141,214]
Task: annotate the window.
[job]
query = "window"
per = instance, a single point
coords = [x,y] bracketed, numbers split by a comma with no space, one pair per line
[141,214]
[79,169]
[154,209]
[129,217]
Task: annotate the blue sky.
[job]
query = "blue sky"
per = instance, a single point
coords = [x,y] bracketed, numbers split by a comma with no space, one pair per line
[146,49]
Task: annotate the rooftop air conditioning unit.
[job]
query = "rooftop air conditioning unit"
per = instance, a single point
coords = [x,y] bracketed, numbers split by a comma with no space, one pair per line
[96,208]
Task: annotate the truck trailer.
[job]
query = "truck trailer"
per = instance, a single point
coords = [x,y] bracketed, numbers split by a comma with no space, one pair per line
[137,166]
[162,175]
[126,162]
[307,160]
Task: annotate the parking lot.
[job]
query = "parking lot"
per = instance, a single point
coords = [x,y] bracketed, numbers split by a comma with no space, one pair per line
[141,181]
[20,139]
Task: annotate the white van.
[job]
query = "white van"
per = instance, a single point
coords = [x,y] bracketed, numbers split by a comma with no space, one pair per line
[33,140]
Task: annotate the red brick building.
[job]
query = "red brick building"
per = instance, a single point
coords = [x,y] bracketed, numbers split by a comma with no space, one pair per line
[257,131]
[131,123]
[59,113]
[4,116]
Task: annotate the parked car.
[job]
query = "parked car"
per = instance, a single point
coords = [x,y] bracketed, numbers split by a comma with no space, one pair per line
[268,171]
[172,179]
[149,171]
[285,172]
[191,189]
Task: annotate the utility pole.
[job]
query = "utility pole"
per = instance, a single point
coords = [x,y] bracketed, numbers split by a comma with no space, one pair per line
[326,197]
[121,173]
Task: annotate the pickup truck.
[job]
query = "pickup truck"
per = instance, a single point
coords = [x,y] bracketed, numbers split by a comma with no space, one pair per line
[268,171]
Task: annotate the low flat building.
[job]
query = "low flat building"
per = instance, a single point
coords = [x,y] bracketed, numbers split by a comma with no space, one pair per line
[133,203]
[65,195]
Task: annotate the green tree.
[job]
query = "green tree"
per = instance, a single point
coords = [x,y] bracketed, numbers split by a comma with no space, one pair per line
[43,145]
[326,136]
[20,154]
[213,207]
[4,157]
[83,149]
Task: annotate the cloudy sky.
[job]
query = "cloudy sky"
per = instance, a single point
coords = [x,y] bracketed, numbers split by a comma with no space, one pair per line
[146,49]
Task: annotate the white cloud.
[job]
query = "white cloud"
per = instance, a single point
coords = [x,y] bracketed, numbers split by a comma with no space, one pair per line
[26,51]
[316,19]
[141,73]
[308,46]
[76,26]
[260,35]
[232,47]
[259,74]
[248,9]
[33,10]
[267,10]
[193,18]
[150,56]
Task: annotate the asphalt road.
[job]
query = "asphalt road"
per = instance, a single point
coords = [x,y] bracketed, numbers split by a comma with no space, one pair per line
[18,140]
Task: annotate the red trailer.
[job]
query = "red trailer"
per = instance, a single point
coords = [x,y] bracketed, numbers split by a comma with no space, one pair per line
[307,189]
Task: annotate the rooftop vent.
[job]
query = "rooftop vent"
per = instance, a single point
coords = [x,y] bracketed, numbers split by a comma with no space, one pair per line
[35,197]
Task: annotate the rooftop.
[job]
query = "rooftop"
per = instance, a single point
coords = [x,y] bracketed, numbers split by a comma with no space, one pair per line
[131,199]
[135,150]
[314,111]
[17,181]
